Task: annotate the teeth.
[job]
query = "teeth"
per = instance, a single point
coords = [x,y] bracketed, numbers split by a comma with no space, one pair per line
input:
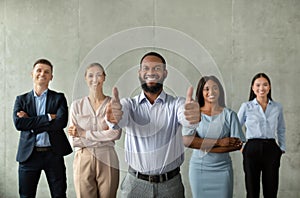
[150,78]
[211,96]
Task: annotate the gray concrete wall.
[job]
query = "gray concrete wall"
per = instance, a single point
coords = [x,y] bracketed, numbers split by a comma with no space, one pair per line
[233,39]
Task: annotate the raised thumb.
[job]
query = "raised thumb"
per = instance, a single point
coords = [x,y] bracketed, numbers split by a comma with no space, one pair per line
[189,95]
[115,94]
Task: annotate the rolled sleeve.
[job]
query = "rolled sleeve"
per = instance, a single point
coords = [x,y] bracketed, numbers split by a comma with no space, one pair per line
[186,131]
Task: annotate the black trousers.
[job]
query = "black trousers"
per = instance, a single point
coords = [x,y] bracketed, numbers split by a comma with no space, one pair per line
[261,159]
[30,171]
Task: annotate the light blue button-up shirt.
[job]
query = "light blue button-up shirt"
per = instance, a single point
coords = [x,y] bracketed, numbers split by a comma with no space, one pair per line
[153,141]
[42,139]
[263,125]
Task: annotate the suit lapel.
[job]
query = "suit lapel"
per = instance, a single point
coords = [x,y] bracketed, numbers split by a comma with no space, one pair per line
[48,101]
[31,104]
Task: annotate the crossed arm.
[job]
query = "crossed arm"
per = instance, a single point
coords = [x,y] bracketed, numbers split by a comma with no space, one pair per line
[25,122]
[98,136]
[222,145]
[82,132]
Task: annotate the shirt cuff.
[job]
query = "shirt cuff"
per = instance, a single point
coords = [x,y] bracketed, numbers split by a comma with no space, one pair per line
[111,125]
[49,117]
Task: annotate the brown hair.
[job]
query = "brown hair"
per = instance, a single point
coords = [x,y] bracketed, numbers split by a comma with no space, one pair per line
[43,61]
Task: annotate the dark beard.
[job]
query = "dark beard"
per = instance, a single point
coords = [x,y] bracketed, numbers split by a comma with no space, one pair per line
[153,89]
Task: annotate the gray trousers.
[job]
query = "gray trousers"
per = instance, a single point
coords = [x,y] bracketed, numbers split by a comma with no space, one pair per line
[132,187]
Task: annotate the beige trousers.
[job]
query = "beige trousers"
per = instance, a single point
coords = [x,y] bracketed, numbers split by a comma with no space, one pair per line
[96,172]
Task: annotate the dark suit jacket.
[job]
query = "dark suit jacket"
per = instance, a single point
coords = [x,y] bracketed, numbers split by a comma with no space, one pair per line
[56,104]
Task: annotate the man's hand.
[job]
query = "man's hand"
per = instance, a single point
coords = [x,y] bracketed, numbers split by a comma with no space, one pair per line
[114,108]
[22,114]
[53,116]
[191,108]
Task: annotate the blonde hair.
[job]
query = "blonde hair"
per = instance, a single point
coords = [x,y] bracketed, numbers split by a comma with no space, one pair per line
[95,65]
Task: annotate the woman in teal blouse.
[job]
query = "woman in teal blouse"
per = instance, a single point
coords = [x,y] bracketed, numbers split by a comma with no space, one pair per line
[218,133]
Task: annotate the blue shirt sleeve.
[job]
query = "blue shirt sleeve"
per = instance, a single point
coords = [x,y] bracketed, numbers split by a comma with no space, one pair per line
[236,129]
[281,129]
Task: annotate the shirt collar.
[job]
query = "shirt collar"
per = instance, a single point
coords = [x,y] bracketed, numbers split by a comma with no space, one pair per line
[256,102]
[42,95]
[162,97]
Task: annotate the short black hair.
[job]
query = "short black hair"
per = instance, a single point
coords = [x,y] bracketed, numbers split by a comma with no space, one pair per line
[154,54]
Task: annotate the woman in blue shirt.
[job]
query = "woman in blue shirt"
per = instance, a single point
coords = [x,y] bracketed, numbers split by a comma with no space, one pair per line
[218,133]
[265,133]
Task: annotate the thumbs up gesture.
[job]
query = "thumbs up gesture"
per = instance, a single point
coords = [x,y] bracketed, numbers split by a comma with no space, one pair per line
[191,108]
[114,108]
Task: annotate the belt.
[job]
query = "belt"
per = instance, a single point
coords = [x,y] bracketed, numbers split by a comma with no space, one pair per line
[155,178]
[270,140]
[42,149]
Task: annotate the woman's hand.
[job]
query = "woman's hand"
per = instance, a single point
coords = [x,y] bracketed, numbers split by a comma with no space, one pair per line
[230,141]
[73,131]
[76,132]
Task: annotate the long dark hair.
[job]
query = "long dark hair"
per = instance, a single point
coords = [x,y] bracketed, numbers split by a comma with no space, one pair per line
[259,75]
[199,92]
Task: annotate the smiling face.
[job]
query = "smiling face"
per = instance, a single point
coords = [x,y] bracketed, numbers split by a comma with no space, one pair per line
[152,74]
[211,92]
[42,75]
[94,77]
[261,87]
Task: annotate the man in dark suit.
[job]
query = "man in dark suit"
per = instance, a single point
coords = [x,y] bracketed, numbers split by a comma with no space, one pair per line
[41,115]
